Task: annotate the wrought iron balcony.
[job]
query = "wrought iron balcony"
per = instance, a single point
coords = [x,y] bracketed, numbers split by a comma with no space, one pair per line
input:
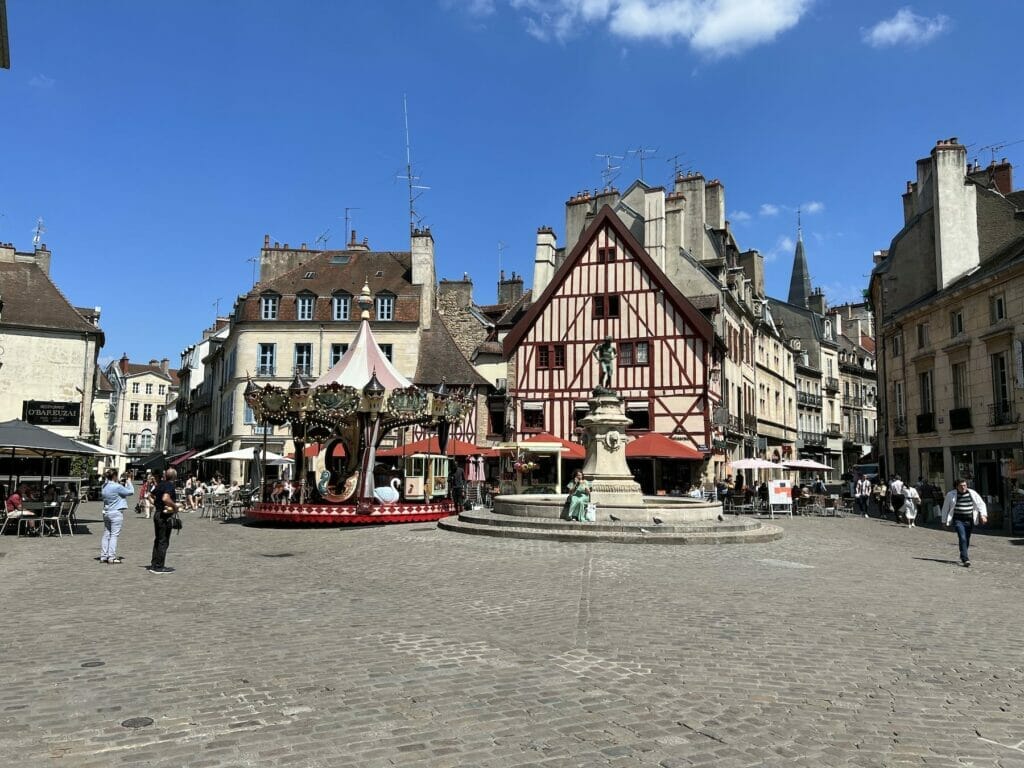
[734,424]
[812,438]
[856,437]
[899,426]
[853,401]
[831,384]
[808,398]
[960,418]
[750,423]
[265,370]
[833,430]
[925,422]
[304,370]
[1000,414]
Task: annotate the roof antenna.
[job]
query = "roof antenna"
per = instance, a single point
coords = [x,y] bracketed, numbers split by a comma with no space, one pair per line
[323,237]
[348,218]
[610,172]
[37,236]
[677,167]
[410,179]
[643,153]
[501,252]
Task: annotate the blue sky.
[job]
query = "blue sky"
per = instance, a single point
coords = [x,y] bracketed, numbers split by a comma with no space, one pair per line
[161,141]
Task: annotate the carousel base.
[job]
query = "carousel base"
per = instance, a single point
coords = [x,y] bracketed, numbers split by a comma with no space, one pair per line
[349,514]
[728,531]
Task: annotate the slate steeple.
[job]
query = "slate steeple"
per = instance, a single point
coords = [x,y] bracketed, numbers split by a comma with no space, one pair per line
[800,280]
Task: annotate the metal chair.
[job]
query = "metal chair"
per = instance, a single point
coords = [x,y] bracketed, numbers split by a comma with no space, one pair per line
[49,518]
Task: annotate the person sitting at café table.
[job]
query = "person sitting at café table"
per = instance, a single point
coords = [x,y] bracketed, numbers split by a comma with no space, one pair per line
[15,508]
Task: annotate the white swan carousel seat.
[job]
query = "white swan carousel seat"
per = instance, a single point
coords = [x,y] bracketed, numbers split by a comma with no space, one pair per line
[387,494]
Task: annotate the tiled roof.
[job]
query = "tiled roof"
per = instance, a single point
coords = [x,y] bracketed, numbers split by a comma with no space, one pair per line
[102,382]
[440,358]
[331,272]
[137,369]
[32,300]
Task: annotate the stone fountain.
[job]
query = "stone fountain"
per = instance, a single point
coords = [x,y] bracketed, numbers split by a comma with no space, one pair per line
[623,513]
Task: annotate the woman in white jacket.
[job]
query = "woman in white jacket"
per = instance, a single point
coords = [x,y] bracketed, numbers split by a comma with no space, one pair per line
[963,509]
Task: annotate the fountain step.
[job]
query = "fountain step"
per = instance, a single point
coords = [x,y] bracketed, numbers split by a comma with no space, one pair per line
[555,530]
[483,517]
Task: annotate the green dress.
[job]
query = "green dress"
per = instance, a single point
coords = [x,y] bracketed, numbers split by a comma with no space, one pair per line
[578,500]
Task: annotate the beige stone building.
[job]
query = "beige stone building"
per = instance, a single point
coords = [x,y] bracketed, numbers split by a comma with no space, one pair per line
[949,301]
[49,348]
[141,393]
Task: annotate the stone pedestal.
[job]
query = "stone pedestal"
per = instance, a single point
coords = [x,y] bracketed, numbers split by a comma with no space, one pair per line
[611,481]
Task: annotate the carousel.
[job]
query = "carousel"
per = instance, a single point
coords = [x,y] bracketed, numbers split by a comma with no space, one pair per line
[359,406]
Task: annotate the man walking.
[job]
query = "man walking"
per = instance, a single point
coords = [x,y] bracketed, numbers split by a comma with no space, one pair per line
[863,492]
[962,509]
[165,499]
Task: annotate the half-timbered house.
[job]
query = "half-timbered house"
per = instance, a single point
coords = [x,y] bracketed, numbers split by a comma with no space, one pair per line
[609,286]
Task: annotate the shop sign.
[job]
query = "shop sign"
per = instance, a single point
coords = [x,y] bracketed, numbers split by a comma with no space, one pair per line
[50,413]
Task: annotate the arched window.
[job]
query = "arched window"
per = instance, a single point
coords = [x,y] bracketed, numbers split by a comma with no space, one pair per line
[146,440]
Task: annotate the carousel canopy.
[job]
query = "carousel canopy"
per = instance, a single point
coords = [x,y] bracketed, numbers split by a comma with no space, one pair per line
[362,360]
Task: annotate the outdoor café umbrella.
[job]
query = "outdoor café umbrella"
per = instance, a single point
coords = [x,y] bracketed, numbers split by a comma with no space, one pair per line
[754,464]
[806,464]
[247,454]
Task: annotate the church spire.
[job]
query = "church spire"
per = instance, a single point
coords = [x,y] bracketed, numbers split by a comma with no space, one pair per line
[800,280]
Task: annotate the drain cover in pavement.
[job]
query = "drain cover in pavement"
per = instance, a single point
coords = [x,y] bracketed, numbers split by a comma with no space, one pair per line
[137,722]
[94,663]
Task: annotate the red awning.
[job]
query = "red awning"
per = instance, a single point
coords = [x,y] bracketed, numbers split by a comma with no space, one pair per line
[654,445]
[455,448]
[573,450]
[313,450]
[182,458]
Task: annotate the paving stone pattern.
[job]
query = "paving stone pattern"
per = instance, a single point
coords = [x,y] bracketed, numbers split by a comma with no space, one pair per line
[849,642]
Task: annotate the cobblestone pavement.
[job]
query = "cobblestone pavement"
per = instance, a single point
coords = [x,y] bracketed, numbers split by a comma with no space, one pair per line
[850,642]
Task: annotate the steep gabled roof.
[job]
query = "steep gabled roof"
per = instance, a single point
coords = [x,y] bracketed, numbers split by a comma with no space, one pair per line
[440,359]
[32,300]
[606,218]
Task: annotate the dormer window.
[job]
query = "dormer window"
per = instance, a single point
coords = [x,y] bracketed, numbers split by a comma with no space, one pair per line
[385,306]
[268,307]
[304,307]
[341,307]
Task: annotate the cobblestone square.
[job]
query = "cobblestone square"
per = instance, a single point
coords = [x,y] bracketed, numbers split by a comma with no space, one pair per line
[850,642]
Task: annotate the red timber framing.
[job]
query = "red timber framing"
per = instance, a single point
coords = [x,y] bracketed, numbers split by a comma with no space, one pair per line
[609,286]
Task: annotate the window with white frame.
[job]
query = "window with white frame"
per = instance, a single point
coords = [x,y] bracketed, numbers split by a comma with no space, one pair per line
[147,412]
[341,307]
[268,307]
[266,355]
[135,387]
[149,389]
[133,412]
[248,417]
[387,350]
[133,440]
[956,322]
[304,359]
[146,440]
[960,389]
[337,352]
[304,307]
[385,305]
[162,389]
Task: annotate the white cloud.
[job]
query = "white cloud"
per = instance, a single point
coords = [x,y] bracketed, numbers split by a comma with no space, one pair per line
[784,246]
[41,81]
[739,216]
[768,209]
[712,27]
[472,7]
[814,206]
[905,27]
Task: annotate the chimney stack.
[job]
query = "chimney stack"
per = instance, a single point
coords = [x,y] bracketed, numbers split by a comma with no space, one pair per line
[123,363]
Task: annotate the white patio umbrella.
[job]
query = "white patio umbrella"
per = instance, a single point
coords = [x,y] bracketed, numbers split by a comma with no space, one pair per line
[246,454]
[806,464]
[754,464]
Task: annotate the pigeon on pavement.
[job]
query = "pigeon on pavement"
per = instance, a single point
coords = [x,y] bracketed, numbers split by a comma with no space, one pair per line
[613,518]
[721,519]
[658,521]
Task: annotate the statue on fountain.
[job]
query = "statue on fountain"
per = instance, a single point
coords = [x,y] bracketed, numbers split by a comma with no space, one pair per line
[605,354]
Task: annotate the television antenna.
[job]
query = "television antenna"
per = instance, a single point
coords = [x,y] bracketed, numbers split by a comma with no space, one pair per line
[322,238]
[501,253]
[643,153]
[349,218]
[993,148]
[611,171]
[411,180]
[216,308]
[677,167]
[254,260]
[37,233]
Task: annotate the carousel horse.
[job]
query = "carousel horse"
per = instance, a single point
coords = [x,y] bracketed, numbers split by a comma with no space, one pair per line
[387,494]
